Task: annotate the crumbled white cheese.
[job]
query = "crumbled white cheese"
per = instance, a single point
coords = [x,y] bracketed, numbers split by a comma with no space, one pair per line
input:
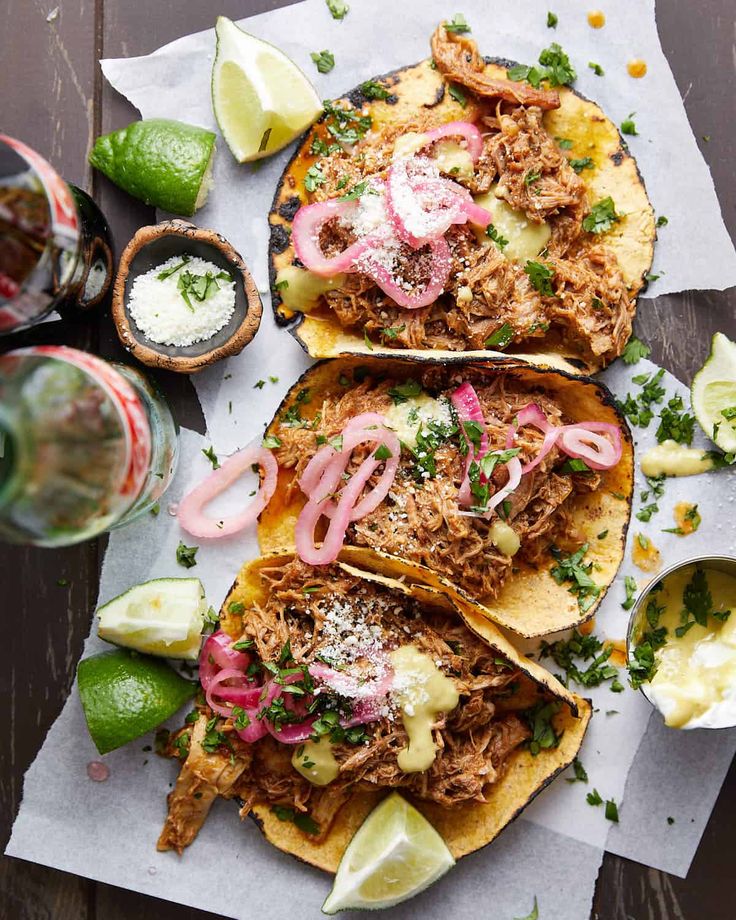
[163,316]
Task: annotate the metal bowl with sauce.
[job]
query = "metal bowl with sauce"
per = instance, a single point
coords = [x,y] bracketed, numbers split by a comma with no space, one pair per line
[722,564]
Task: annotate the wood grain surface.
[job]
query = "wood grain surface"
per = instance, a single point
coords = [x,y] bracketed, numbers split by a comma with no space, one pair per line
[54,99]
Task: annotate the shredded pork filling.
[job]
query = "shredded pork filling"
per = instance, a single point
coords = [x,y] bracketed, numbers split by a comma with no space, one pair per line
[419,520]
[589,312]
[473,741]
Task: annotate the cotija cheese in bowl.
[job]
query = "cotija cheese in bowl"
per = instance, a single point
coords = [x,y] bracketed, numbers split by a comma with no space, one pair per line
[183,298]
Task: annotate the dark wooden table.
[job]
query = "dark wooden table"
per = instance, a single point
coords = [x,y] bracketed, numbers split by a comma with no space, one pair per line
[55,99]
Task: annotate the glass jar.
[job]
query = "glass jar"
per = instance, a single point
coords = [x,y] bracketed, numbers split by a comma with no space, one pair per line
[85,446]
[55,245]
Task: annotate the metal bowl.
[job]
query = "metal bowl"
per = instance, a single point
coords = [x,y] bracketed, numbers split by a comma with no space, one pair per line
[726,564]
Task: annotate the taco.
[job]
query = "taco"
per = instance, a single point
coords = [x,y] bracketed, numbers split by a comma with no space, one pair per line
[509,484]
[389,688]
[446,207]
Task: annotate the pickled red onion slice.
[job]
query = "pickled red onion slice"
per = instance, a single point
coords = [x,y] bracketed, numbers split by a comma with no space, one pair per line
[464,129]
[373,263]
[305,230]
[217,651]
[468,409]
[191,515]
[348,503]
[514,470]
[583,442]
[531,414]
[243,696]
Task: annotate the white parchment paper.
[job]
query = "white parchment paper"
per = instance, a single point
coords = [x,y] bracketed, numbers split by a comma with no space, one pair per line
[107,831]
[380,35]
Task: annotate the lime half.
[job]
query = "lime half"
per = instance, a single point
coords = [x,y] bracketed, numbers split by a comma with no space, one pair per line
[163,162]
[160,617]
[395,854]
[713,393]
[125,695]
[261,100]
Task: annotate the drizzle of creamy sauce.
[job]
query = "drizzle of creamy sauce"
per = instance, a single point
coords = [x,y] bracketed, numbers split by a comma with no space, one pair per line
[421,691]
[408,417]
[672,459]
[645,554]
[695,682]
[316,762]
[526,239]
[302,289]
[504,537]
[637,68]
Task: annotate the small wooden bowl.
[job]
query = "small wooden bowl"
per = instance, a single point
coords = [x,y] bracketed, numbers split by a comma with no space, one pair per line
[150,247]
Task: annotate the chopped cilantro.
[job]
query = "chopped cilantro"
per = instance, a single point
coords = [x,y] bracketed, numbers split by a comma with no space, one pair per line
[580,775]
[212,457]
[382,453]
[371,89]
[639,409]
[634,350]
[572,569]
[541,277]
[532,75]
[324,60]
[602,216]
[320,149]
[531,176]
[645,514]
[564,142]
[552,20]
[270,442]
[539,719]
[185,555]
[628,126]
[611,811]
[650,276]
[674,423]
[596,68]
[366,339]
[602,535]
[405,391]
[457,94]
[565,654]
[314,178]
[345,124]
[338,8]
[427,441]
[501,337]
[559,70]
[631,588]
[360,188]
[670,820]
[457,25]
[391,332]
[580,165]
[259,384]
[236,607]
[155,509]
[594,798]
[643,666]
[575,465]
[242,645]
[497,238]
[662,221]
[240,718]
[299,818]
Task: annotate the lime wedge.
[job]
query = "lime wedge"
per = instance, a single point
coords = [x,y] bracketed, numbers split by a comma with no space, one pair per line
[125,695]
[713,393]
[395,854]
[160,617]
[165,163]
[261,100]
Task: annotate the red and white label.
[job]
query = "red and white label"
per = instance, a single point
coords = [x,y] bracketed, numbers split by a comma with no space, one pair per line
[130,410]
[64,218]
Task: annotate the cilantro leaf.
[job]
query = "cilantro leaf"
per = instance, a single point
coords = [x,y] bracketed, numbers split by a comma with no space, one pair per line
[212,457]
[581,164]
[185,555]
[560,71]
[493,234]
[271,441]
[580,774]
[594,798]
[541,277]
[552,20]
[457,94]
[596,68]
[457,25]
[314,178]
[675,424]
[501,337]
[405,391]
[324,60]
[539,719]
[628,126]
[611,811]
[338,8]
[634,350]
[602,216]
[372,89]
[534,915]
